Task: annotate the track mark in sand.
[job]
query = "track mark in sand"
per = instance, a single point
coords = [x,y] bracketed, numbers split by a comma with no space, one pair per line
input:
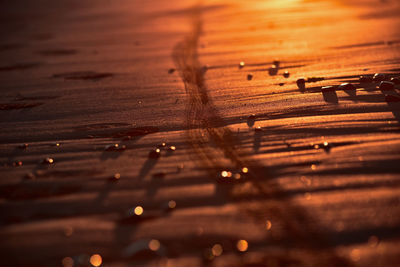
[216,148]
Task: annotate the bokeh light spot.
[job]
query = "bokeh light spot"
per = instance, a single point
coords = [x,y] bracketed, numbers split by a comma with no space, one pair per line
[96,260]
[242,245]
[217,250]
[154,245]
[138,210]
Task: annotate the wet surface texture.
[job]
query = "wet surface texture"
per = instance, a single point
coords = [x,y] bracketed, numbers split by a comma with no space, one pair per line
[212,133]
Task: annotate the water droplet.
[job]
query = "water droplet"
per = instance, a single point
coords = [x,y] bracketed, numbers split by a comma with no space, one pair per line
[286,74]
[96,260]
[386,86]
[48,161]
[67,262]
[249,77]
[379,77]
[268,225]
[155,153]
[241,64]
[395,80]
[242,245]
[217,250]
[154,245]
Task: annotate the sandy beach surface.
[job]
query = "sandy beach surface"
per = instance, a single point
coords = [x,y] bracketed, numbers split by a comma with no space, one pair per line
[176,133]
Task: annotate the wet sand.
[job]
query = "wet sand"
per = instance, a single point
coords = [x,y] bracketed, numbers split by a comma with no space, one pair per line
[311,179]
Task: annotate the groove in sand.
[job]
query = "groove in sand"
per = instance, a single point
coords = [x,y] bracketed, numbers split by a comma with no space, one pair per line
[216,148]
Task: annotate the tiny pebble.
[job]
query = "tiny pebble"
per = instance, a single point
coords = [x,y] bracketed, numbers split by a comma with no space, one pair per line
[252,117]
[171,148]
[162,145]
[116,177]
[277,63]
[258,129]
[395,80]
[392,98]
[48,161]
[115,147]
[249,77]
[365,79]
[327,89]
[273,70]
[170,71]
[379,77]
[286,74]
[241,64]
[281,84]
[386,86]
[155,153]
[301,83]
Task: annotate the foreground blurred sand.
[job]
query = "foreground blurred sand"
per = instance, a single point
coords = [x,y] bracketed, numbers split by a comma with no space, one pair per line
[86,75]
